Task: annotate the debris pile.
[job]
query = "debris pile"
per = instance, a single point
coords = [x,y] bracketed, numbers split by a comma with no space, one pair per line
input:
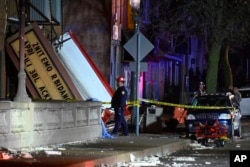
[8,154]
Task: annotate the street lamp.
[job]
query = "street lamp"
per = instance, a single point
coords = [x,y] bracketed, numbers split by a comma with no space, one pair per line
[135,4]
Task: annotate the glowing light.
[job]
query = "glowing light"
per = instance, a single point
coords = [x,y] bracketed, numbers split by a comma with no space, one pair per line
[135,4]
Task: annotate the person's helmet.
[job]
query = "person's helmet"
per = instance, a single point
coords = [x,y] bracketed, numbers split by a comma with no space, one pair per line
[120,79]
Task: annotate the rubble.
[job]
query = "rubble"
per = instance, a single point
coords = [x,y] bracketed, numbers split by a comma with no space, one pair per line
[9,154]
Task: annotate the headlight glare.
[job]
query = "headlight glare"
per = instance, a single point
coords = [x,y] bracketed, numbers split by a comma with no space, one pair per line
[225,116]
[190,117]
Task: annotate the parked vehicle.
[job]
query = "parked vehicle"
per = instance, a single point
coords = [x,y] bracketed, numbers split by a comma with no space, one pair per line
[245,100]
[210,109]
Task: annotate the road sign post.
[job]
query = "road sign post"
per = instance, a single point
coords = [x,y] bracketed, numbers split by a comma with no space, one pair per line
[138,47]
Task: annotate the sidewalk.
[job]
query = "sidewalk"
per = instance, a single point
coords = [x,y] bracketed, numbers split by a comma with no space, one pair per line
[108,151]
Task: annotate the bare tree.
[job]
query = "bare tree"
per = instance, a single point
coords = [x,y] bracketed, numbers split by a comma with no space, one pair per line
[221,23]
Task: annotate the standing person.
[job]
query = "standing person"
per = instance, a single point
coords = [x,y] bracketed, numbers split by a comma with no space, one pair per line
[230,89]
[118,102]
[201,90]
[237,96]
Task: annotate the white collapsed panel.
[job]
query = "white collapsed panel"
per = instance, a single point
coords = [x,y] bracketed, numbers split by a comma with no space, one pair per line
[81,72]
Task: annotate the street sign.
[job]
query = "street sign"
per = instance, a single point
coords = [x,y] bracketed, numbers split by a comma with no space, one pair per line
[138,47]
[143,66]
[141,43]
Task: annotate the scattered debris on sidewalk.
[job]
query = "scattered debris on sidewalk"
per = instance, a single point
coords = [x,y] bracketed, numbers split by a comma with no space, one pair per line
[137,162]
[9,154]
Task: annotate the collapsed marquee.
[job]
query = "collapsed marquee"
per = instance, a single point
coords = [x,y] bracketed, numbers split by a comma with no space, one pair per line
[58,73]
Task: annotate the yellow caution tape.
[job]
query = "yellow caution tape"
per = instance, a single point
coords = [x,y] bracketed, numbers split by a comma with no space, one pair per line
[106,102]
[183,106]
[137,103]
[131,103]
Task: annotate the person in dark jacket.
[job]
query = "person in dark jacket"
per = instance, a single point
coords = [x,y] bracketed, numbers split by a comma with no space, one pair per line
[118,102]
[201,90]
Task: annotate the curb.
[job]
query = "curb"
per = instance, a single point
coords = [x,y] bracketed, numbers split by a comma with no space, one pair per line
[125,157]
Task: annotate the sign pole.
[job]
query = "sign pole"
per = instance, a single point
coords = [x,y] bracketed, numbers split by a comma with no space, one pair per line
[138,81]
[138,51]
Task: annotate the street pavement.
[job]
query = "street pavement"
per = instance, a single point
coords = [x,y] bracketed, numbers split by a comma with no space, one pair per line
[210,155]
[103,152]
[108,152]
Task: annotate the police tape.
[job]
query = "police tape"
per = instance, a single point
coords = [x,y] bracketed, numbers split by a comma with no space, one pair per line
[137,103]
[129,103]
[183,105]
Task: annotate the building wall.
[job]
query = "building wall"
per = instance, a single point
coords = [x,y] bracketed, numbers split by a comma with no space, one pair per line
[90,21]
